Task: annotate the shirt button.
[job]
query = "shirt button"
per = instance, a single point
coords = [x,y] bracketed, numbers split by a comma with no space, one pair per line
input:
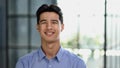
[50,65]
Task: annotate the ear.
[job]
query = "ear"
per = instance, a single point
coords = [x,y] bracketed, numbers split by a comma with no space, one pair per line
[62,27]
[37,27]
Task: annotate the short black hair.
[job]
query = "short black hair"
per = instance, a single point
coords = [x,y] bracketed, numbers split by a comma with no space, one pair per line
[49,8]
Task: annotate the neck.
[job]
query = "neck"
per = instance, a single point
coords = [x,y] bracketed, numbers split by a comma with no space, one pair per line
[50,49]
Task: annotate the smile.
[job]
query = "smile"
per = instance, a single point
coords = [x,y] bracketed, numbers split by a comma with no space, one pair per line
[49,33]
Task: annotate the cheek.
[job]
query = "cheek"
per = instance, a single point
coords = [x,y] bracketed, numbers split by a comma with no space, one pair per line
[39,29]
[57,28]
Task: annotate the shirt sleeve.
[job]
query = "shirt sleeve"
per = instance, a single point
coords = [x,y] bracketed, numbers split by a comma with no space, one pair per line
[19,64]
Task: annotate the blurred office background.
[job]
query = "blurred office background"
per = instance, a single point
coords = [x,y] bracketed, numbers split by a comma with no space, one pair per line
[92,30]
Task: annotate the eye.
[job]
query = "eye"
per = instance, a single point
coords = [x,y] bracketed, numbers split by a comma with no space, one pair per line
[55,22]
[43,22]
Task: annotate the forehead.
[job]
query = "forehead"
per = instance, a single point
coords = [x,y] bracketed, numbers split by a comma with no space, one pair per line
[49,15]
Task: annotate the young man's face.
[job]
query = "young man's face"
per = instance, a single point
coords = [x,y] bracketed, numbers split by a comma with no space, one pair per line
[50,27]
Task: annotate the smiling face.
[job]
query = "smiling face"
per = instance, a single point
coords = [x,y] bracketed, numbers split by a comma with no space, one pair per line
[50,27]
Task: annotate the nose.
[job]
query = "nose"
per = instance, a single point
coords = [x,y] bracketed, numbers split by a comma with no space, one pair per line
[49,25]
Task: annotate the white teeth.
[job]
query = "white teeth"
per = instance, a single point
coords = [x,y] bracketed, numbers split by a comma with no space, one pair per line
[49,33]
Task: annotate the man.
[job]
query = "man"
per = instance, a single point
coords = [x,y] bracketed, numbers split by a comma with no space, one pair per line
[50,54]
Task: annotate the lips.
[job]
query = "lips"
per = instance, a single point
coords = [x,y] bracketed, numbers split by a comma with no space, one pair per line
[49,33]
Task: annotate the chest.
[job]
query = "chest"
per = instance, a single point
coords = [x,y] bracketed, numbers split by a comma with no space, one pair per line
[51,64]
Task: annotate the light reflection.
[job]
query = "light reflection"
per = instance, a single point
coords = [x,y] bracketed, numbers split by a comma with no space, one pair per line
[113,52]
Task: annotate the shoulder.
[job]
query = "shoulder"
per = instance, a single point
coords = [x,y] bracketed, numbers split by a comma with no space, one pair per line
[74,59]
[71,55]
[26,60]
[29,56]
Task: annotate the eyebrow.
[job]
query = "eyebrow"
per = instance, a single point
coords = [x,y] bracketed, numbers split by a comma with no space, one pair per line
[55,20]
[45,20]
[42,20]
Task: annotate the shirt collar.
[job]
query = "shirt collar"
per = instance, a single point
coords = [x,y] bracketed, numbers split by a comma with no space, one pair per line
[41,54]
[58,56]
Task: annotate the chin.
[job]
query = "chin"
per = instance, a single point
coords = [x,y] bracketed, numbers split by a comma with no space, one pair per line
[51,41]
